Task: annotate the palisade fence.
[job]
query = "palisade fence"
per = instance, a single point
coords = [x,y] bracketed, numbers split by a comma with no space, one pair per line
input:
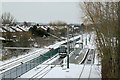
[25,67]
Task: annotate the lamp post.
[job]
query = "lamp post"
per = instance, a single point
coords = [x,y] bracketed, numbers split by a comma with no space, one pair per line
[68,46]
[73,45]
[82,25]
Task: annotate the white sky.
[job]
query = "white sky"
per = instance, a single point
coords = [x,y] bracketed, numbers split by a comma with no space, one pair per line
[44,12]
[60,0]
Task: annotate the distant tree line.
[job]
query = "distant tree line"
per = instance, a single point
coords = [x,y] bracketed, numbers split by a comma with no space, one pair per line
[39,31]
[58,23]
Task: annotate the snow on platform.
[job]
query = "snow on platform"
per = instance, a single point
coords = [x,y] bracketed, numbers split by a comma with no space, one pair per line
[95,72]
[75,71]
[58,71]
[40,68]
[61,71]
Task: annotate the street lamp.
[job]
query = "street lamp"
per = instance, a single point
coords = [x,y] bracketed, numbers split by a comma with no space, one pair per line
[82,26]
[68,46]
[73,45]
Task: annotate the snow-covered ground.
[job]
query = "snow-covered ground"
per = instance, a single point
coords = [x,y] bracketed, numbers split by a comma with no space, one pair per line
[45,70]
[59,71]
[75,70]
[24,58]
[8,64]
[14,28]
[89,40]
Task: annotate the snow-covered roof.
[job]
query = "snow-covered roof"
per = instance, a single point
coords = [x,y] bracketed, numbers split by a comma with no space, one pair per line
[1,38]
[24,28]
[14,28]
[8,28]
[43,27]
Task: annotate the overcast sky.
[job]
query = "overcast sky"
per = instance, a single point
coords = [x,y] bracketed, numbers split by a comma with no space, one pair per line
[44,12]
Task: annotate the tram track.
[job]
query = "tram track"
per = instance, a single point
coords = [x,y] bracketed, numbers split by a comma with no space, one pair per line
[43,72]
[85,63]
[18,61]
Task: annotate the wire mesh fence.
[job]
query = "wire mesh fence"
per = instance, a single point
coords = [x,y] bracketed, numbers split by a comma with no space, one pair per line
[19,70]
[25,67]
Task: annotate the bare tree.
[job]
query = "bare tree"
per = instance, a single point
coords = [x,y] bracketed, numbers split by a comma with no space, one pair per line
[58,23]
[118,50]
[103,15]
[7,18]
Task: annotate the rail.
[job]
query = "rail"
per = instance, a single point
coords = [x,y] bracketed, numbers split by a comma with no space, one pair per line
[25,67]
[84,58]
[28,65]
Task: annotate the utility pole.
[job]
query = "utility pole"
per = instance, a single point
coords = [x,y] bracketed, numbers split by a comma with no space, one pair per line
[0,41]
[73,45]
[82,26]
[118,50]
[68,46]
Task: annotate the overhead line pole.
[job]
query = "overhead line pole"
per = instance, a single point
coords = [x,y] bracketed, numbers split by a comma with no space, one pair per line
[68,46]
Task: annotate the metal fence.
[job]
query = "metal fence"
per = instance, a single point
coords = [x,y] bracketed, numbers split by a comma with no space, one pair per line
[24,67]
